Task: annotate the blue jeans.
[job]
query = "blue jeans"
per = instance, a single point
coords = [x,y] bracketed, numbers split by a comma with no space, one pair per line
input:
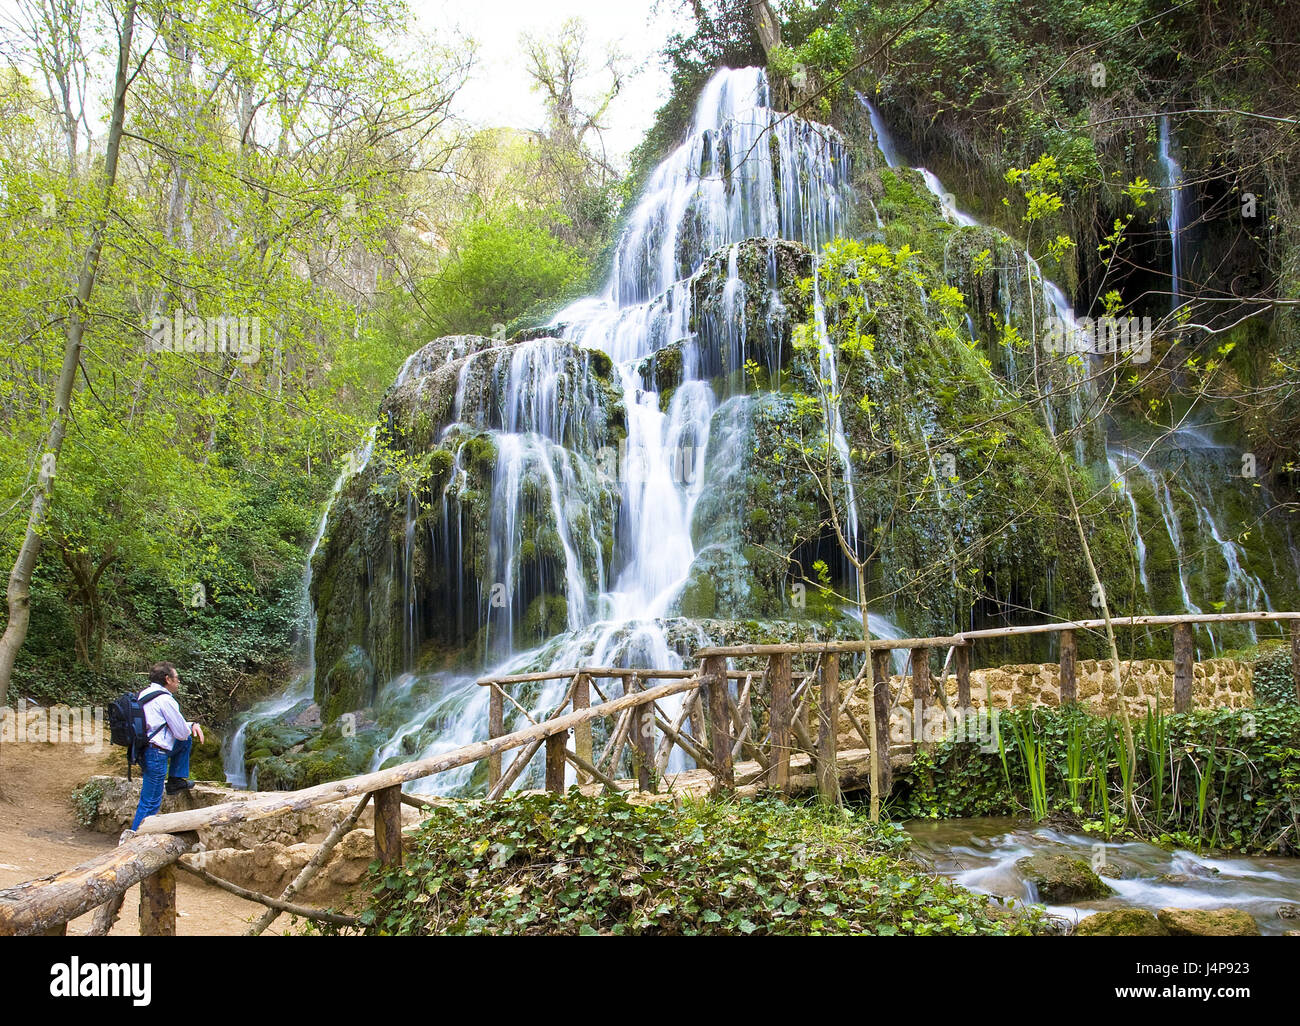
[156,772]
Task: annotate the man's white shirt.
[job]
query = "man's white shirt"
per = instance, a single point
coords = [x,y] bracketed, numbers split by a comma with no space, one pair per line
[165,711]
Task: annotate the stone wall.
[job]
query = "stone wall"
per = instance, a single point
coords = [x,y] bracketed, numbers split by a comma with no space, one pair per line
[1216,683]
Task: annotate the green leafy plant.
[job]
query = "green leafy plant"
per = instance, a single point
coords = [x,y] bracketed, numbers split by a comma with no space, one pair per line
[1156,737]
[85,802]
[569,864]
[1227,778]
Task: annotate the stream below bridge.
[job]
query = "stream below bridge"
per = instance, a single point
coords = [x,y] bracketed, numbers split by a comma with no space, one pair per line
[981,855]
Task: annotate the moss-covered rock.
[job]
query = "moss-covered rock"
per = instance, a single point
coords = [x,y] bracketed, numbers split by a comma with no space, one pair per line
[417,553]
[341,756]
[1209,922]
[349,684]
[1121,922]
[1060,879]
[206,758]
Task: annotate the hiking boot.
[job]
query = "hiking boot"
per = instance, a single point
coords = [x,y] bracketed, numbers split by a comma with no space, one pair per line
[175,785]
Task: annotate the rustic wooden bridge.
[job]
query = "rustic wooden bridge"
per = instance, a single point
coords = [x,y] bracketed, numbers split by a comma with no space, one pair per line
[715,730]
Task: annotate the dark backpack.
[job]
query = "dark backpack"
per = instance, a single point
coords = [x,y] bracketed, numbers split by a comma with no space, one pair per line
[127,726]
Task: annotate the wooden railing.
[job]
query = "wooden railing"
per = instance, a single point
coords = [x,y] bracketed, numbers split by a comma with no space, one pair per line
[924,691]
[712,727]
[149,858]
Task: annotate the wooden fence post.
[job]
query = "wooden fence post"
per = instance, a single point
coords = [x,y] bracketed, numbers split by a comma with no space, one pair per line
[1069,679]
[828,709]
[643,736]
[881,697]
[496,727]
[388,825]
[555,762]
[1295,656]
[961,657]
[805,716]
[582,732]
[713,682]
[1184,667]
[781,719]
[158,903]
[920,694]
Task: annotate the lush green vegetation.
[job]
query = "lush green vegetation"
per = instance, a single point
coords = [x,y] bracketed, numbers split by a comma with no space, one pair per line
[507,269]
[293,170]
[1227,779]
[977,90]
[1273,681]
[567,864]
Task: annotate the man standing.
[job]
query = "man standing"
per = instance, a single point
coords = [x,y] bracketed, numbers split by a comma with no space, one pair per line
[167,755]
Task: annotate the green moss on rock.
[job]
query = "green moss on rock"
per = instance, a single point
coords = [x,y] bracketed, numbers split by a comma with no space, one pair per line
[1060,879]
[1209,922]
[1121,922]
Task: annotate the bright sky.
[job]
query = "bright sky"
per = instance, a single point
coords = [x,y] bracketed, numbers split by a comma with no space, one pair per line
[498,92]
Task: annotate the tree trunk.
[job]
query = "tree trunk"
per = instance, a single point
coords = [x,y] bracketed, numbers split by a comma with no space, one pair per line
[20,577]
[766,25]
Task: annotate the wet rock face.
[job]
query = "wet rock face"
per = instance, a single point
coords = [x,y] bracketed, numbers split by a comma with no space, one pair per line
[457,533]
[1208,922]
[745,303]
[1121,922]
[753,514]
[1060,879]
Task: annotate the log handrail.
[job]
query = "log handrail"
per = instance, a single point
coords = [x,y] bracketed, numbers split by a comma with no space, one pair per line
[605,671]
[320,794]
[38,905]
[965,637]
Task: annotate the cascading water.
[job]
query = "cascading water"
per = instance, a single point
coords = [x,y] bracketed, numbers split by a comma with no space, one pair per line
[828,373]
[743,172]
[1135,522]
[1174,183]
[1185,471]
[1053,296]
[1204,461]
[529,533]
[232,750]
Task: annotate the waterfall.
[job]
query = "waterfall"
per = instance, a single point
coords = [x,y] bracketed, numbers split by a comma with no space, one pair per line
[1174,182]
[742,172]
[232,750]
[1135,522]
[1193,466]
[884,140]
[828,373]
[1053,296]
[888,150]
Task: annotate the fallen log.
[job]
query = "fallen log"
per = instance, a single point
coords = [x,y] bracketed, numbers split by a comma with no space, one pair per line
[37,905]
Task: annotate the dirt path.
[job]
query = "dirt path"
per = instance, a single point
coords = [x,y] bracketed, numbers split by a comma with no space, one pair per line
[40,835]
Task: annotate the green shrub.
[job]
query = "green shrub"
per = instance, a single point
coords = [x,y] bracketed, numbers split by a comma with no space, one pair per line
[85,802]
[1274,684]
[569,864]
